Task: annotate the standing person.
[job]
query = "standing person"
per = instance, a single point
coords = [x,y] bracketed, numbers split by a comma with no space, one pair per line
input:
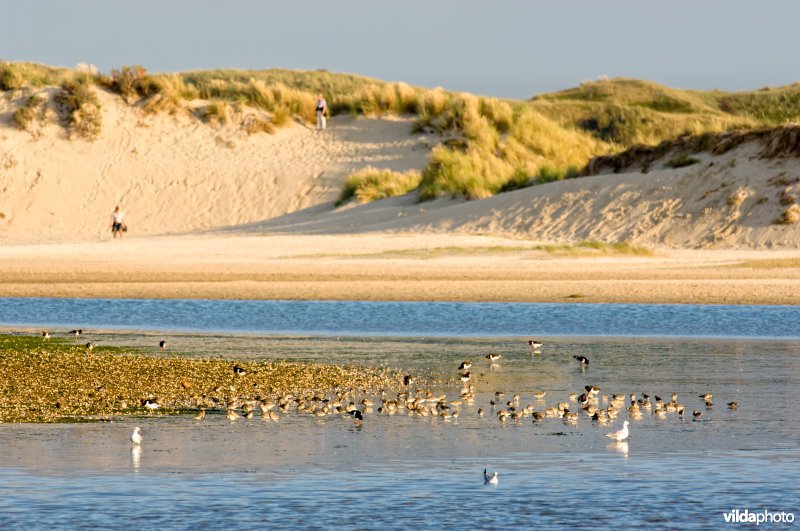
[322,112]
[117,224]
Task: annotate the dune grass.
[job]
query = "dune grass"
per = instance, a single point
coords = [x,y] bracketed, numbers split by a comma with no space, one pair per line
[80,109]
[371,183]
[487,145]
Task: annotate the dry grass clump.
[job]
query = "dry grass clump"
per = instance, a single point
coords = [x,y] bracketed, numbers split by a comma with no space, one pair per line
[252,125]
[216,112]
[58,381]
[132,82]
[80,109]
[681,161]
[169,93]
[789,216]
[24,115]
[371,184]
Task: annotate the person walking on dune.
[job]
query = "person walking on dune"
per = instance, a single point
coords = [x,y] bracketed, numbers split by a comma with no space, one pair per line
[117,223]
[322,113]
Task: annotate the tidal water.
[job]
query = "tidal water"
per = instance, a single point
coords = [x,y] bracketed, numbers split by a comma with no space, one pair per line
[401,471]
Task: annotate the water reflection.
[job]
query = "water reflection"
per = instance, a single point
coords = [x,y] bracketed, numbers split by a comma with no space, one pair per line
[136,456]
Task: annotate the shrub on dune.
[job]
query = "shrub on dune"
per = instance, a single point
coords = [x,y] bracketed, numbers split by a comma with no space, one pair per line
[371,184]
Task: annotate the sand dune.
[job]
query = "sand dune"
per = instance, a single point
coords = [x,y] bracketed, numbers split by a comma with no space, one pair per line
[176,174]
[727,201]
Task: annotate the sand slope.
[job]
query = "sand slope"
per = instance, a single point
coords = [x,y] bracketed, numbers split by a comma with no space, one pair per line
[727,201]
[176,173]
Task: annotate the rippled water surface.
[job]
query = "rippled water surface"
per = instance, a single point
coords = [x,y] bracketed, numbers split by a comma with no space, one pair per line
[406,472]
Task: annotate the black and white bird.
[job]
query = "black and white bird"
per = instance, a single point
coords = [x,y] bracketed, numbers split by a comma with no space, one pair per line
[358,418]
[490,479]
[465,377]
[465,365]
[89,347]
[493,357]
[162,344]
[136,437]
[239,371]
[583,360]
[45,334]
[408,380]
[76,333]
[535,345]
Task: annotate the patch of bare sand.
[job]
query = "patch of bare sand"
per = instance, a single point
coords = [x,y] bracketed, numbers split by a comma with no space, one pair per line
[391,267]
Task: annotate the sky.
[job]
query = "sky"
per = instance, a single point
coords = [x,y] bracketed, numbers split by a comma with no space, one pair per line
[502,48]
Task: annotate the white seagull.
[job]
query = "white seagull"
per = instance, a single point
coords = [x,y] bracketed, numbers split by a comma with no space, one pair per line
[136,437]
[620,435]
[490,479]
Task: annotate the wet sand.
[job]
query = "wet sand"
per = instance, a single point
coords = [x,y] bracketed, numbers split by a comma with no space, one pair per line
[393,267]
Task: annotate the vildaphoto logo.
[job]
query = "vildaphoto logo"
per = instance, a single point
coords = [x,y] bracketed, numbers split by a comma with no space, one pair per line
[762,517]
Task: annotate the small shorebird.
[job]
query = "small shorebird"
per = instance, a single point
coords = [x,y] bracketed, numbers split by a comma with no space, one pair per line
[136,437]
[620,435]
[493,357]
[238,371]
[538,395]
[480,411]
[45,334]
[733,405]
[151,404]
[707,397]
[583,360]
[162,344]
[535,345]
[89,347]
[696,414]
[200,415]
[592,389]
[490,479]
[76,333]
[232,415]
[358,418]
[408,380]
[465,365]
[465,377]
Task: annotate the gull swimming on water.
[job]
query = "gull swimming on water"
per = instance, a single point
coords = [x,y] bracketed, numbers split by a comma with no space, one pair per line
[490,479]
[620,435]
[136,437]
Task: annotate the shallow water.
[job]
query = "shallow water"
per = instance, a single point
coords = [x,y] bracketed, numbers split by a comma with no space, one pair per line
[402,472]
[369,318]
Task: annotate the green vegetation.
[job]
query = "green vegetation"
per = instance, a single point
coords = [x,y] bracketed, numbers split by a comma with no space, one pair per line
[487,146]
[25,114]
[80,109]
[586,248]
[371,183]
[680,161]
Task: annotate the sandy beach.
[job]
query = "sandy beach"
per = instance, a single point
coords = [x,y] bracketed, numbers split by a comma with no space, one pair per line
[393,267]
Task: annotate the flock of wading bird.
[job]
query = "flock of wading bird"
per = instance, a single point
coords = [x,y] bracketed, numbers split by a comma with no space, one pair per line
[599,408]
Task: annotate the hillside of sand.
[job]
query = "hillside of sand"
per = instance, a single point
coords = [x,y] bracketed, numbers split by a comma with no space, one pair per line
[175,173]
[743,195]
